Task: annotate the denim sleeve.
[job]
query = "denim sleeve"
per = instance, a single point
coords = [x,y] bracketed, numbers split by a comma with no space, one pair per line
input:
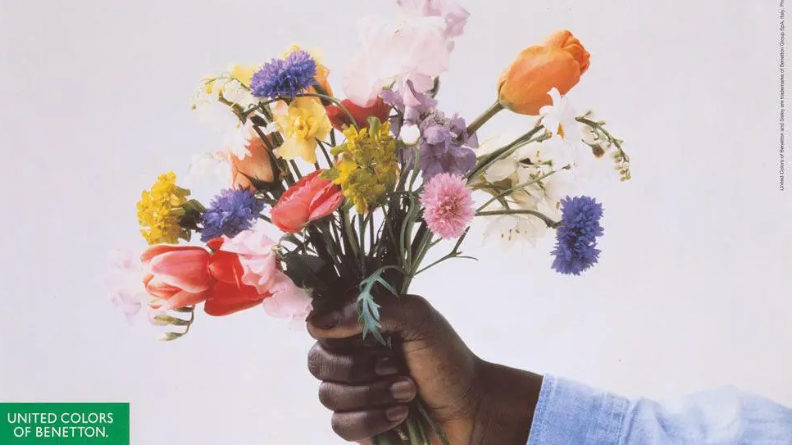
[572,414]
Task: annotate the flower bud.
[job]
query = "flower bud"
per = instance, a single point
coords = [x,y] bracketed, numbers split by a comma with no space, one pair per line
[558,63]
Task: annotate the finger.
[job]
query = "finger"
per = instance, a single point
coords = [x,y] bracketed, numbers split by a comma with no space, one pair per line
[329,366]
[408,315]
[383,393]
[360,425]
[350,345]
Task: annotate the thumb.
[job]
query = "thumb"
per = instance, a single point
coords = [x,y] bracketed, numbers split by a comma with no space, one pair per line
[409,316]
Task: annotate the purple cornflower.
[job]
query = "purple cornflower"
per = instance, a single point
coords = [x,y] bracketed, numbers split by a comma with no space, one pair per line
[231,212]
[444,145]
[285,77]
[576,238]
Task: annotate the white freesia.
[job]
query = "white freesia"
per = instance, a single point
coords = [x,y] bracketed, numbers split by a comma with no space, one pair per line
[515,229]
[566,146]
[215,165]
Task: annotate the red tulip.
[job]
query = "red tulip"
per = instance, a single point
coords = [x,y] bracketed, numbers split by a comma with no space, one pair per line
[177,274]
[229,294]
[339,118]
[310,199]
[180,276]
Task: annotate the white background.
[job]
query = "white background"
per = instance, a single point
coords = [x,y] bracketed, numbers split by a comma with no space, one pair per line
[693,289]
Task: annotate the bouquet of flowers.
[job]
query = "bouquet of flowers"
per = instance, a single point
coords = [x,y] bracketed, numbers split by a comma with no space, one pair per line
[363,188]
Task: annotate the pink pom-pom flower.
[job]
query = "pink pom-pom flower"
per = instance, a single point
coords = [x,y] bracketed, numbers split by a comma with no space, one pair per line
[448,205]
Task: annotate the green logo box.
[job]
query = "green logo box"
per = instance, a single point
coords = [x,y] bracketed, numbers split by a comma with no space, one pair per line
[64,423]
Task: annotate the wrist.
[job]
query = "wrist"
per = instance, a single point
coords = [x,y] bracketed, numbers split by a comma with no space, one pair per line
[508,399]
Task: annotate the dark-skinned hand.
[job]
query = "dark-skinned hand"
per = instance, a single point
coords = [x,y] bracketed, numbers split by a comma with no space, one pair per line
[369,388]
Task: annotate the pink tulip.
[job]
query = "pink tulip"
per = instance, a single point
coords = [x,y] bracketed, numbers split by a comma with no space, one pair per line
[178,275]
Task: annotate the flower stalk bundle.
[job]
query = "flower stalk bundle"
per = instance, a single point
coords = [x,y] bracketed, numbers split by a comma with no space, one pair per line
[367,189]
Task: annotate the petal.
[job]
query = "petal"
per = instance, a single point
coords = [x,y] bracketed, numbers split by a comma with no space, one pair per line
[185,269]
[157,288]
[184,299]
[501,169]
[326,202]
[159,249]
[259,272]
[227,299]
[225,267]
[288,300]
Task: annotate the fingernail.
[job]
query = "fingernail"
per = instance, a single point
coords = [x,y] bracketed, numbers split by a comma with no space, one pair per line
[386,366]
[397,413]
[326,321]
[403,390]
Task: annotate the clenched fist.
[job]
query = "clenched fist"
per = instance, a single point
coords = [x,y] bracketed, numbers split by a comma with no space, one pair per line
[369,388]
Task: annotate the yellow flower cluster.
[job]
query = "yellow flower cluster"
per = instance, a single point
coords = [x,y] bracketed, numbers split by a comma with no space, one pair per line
[367,166]
[160,209]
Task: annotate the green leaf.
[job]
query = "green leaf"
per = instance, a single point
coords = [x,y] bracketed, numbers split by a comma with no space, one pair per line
[173,321]
[170,336]
[368,309]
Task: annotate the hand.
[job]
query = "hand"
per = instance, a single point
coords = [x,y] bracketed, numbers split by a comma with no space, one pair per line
[369,387]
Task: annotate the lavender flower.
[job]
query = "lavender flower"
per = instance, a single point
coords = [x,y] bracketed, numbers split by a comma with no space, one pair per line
[576,238]
[231,212]
[444,145]
[285,77]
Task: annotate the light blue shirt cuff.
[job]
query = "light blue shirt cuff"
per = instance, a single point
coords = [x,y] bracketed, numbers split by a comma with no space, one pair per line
[571,413]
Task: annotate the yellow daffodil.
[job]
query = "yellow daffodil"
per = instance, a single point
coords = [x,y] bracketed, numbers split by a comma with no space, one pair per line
[302,123]
[160,209]
[243,73]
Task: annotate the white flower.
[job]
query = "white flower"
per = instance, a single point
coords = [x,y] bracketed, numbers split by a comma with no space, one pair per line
[515,229]
[566,145]
[215,165]
[237,138]
[410,134]
[596,165]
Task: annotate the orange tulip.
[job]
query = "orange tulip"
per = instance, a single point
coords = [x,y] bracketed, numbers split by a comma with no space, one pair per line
[557,63]
[256,165]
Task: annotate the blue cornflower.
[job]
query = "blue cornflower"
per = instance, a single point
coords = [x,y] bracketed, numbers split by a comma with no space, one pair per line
[576,238]
[231,212]
[285,77]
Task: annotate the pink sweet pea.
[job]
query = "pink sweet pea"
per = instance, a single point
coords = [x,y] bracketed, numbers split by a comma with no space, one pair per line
[258,261]
[415,49]
[124,280]
[454,15]
[288,301]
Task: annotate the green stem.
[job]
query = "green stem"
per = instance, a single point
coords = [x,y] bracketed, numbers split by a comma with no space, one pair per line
[486,116]
[503,152]
[601,128]
[550,223]
[515,188]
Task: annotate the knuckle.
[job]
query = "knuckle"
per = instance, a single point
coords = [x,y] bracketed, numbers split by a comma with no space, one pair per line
[328,395]
[417,305]
[420,316]
[316,360]
[341,427]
